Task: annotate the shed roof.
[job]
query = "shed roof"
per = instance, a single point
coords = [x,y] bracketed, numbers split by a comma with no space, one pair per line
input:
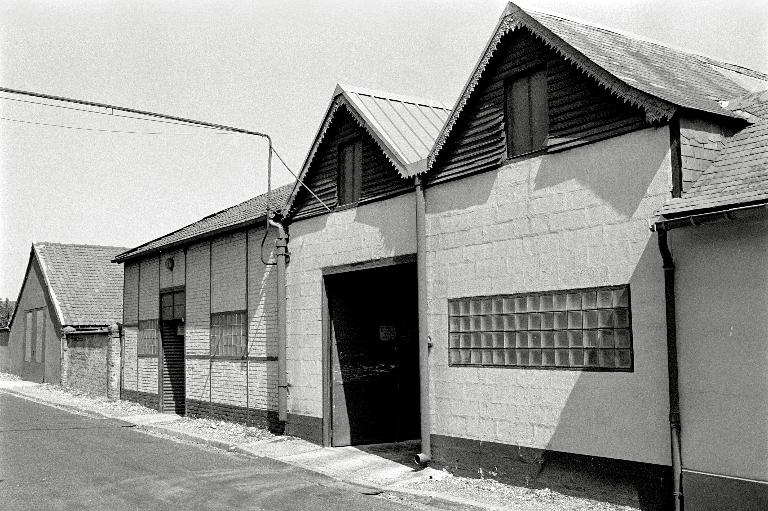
[226,220]
[739,177]
[652,76]
[405,128]
[86,288]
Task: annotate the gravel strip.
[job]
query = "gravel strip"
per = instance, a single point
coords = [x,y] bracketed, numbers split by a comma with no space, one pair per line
[496,495]
[221,431]
[58,395]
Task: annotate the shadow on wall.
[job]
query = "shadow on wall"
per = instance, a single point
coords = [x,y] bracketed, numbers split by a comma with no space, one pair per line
[601,168]
[621,413]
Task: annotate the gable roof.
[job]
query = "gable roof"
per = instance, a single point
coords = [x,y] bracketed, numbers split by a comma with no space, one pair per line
[649,75]
[85,288]
[240,215]
[739,176]
[404,127]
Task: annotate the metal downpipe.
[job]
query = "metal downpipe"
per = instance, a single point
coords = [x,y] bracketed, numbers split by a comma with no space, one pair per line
[281,256]
[425,456]
[672,369]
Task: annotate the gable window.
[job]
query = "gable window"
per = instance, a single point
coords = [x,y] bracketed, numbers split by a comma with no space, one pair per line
[527,120]
[350,172]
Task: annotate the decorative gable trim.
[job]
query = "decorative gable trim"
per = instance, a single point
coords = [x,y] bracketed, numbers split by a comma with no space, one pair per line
[338,102]
[514,18]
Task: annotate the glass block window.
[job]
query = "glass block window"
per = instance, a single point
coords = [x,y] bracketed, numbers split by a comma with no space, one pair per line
[149,337]
[228,334]
[587,329]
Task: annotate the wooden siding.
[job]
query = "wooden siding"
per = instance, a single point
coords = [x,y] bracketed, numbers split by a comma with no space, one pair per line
[579,110]
[379,177]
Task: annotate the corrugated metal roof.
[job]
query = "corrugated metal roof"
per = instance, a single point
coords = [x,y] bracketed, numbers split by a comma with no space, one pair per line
[220,222]
[404,127]
[740,175]
[407,126]
[85,286]
[649,75]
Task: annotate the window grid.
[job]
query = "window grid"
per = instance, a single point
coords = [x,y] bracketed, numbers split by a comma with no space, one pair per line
[585,329]
[228,334]
[148,337]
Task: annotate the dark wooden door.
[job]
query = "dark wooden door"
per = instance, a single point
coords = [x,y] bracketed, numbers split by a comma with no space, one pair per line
[172,384]
[374,382]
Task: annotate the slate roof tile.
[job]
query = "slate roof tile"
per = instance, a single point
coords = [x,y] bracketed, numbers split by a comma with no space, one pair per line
[740,175]
[86,287]
[222,221]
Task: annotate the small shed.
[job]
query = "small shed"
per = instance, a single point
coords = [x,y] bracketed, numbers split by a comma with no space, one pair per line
[64,328]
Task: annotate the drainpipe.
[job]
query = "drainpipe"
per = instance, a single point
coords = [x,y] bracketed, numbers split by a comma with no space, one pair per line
[281,256]
[674,396]
[425,456]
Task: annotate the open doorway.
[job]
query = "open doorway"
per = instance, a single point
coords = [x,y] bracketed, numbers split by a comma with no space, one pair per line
[373,351]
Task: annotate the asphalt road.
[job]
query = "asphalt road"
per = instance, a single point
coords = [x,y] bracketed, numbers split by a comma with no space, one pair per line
[52,459]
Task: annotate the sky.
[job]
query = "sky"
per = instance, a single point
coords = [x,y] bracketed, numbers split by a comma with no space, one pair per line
[259,65]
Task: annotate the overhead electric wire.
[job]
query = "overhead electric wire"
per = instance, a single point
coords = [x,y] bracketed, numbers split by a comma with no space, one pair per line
[154,116]
[51,125]
[112,114]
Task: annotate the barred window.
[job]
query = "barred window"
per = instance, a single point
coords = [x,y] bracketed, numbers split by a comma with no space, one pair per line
[589,329]
[148,337]
[228,334]
[172,305]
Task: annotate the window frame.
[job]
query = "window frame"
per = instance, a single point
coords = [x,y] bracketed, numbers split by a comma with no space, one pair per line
[355,142]
[237,347]
[494,333]
[509,81]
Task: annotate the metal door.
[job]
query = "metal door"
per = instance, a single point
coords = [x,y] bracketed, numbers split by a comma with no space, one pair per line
[171,381]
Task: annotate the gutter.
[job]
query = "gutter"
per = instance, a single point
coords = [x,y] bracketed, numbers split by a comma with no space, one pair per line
[281,256]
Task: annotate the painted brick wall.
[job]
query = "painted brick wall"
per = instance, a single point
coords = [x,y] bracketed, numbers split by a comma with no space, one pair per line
[371,231]
[567,220]
[262,297]
[198,320]
[131,294]
[722,316]
[701,143]
[222,289]
[228,273]
[130,339]
[149,290]
[147,375]
[87,363]
[175,276]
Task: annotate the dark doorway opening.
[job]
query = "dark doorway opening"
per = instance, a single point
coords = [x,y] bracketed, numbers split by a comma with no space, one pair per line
[373,352]
[171,364]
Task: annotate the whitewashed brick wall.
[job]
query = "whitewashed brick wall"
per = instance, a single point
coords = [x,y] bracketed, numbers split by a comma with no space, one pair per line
[198,319]
[149,289]
[175,276]
[372,231]
[147,375]
[228,277]
[573,219]
[130,338]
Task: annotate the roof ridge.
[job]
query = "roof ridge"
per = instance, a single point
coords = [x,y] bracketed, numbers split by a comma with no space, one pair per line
[130,250]
[344,87]
[636,37]
[59,244]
